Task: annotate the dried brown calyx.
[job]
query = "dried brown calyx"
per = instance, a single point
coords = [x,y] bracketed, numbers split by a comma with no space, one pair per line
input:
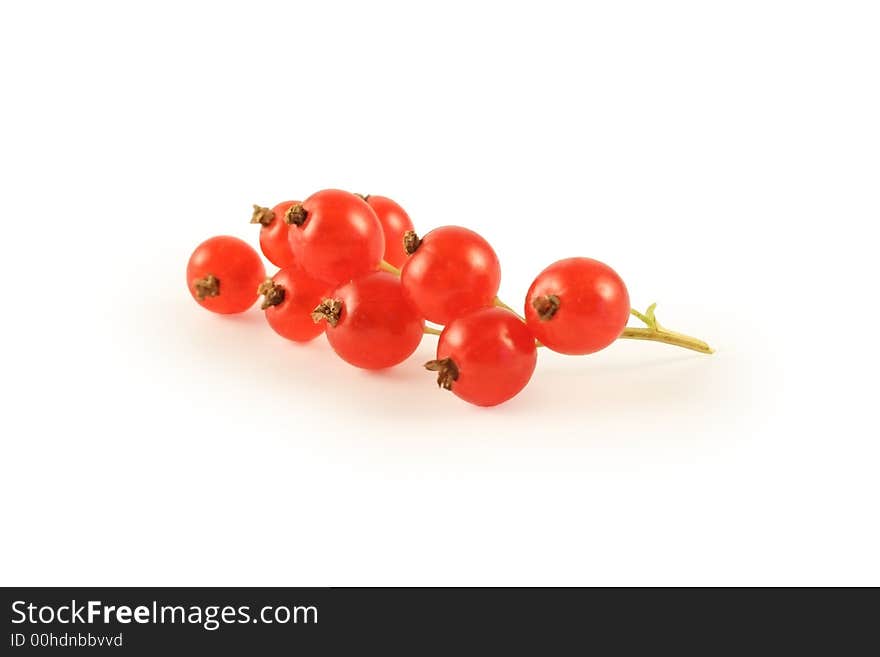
[411,242]
[296,215]
[328,309]
[262,216]
[274,294]
[546,306]
[363,197]
[208,286]
[447,372]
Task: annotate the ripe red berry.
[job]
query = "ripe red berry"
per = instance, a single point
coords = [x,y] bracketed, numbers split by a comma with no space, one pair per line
[335,236]
[451,272]
[577,306]
[223,275]
[290,297]
[370,322]
[273,234]
[395,224]
[485,357]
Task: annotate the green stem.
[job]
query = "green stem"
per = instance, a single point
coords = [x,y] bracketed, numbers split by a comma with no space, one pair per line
[658,333]
[667,337]
[391,269]
[498,302]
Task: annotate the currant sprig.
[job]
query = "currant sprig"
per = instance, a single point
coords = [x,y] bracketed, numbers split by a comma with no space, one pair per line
[352,267]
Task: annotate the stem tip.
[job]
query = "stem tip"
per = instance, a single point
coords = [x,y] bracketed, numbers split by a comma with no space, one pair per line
[447,372]
[262,216]
[411,242]
[546,306]
[296,215]
[207,286]
[328,309]
[274,293]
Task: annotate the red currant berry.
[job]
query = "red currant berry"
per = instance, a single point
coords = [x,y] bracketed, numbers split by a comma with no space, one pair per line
[335,236]
[273,234]
[451,271]
[290,297]
[395,224]
[577,306]
[370,322]
[223,275]
[485,357]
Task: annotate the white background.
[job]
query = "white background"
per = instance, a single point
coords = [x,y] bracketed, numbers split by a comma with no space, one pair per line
[723,157]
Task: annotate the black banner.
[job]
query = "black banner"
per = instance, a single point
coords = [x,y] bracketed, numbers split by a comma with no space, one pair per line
[269,621]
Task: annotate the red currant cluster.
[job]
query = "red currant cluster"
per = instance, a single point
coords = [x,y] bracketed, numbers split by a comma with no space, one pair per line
[352,267]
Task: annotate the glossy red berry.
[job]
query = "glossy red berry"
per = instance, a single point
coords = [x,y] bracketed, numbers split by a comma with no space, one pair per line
[485,357]
[451,272]
[335,236]
[577,306]
[289,299]
[223,275]
[273,234]
[370,322]
[395,224]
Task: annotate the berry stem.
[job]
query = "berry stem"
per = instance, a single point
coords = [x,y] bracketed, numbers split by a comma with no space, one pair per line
[498,302]
[391,269]
[658,333]
[430,330]
[667,337]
